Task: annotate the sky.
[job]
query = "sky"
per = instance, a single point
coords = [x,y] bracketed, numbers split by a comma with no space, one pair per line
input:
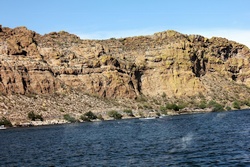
[103,19]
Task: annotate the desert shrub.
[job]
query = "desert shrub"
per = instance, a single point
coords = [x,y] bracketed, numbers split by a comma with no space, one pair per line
[228,108]
[85,118]
[216,106]
[203,105]
[172,106]
[246,102]
[129,112]
[163,108]
[32,116]
[69,118]
[236,105]
[90,115]
[175,107]
[181,106]
[158,114]
[4,121]
[114,114]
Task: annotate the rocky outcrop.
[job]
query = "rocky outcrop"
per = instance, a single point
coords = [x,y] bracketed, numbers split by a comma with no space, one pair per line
[59,73]
[168,63]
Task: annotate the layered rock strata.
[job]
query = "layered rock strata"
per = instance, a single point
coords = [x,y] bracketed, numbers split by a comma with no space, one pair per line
[167,63]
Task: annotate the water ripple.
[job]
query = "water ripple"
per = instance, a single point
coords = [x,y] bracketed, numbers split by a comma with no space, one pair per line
[213,139]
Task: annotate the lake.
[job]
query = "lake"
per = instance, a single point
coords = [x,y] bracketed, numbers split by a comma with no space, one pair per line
[211,139]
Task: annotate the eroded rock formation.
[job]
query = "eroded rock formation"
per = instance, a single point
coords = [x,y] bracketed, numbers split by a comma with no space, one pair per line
[167,62]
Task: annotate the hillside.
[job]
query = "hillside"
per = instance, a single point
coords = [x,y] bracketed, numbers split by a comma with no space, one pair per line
[59,73]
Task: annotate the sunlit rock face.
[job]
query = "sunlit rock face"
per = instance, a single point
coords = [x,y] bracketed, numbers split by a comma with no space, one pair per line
[169,63]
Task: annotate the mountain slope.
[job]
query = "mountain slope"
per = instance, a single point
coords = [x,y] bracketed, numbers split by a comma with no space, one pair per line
[164,67]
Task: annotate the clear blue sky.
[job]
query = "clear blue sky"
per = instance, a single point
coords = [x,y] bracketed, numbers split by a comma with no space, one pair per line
[100,19]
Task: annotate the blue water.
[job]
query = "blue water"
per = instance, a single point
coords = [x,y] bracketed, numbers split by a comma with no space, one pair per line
[212,139]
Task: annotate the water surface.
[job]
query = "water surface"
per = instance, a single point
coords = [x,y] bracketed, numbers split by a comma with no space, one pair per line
[212,139]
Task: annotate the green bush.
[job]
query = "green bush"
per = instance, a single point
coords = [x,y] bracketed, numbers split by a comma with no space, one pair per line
[4,121]
[163,108]
[32,116]
[228,108]
[247,102]
[172,106]
[158,114]
[216,106]
[85,118]
[203,105]
[69,118]
[90,115]
[236,105]
[128,112]
[175,107]
[114,114]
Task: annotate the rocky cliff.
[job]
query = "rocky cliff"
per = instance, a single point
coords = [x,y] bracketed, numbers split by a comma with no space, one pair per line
[167,66]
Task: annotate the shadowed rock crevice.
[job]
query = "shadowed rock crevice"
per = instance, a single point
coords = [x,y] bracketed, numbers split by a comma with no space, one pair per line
[137,75]
[198,66]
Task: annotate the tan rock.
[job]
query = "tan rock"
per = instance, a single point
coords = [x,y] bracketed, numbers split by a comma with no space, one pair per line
[167,62]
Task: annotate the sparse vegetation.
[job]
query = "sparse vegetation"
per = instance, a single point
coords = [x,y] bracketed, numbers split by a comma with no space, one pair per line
[203,104]
[158,114]
[216,106]
[172,106]
[236,104]
[247,102]
[129,112]
[32,116]
[4,121]
[85,118]
[114,114]
[163,108]
[69,118]
[88,116]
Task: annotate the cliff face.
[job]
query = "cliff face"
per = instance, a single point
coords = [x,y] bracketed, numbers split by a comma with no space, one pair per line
[166,66]
[164,63]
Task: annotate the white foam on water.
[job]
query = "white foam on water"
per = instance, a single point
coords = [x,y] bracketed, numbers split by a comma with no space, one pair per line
[186,140]
[220,116]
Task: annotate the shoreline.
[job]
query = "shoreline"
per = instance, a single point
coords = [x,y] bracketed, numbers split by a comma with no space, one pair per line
[64,122]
